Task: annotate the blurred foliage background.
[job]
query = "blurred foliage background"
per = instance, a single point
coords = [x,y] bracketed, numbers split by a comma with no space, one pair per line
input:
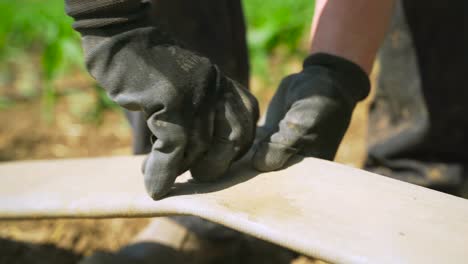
[38,46]
[58,109]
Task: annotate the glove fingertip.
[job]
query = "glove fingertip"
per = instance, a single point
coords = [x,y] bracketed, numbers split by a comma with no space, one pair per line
[271,157]
[154,190]
[158,183]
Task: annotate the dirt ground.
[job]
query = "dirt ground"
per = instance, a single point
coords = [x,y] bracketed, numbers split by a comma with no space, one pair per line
[25,134]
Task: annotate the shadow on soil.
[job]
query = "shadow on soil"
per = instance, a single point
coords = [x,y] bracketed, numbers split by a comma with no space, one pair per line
[12,252]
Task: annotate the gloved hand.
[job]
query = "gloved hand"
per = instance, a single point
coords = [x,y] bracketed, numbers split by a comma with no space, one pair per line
[310,111]
[201,119]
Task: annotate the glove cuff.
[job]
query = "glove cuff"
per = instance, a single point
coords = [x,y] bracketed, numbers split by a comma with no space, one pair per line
[95,14]
[352,75]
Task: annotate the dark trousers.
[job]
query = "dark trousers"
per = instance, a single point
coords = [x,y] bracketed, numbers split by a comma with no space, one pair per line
[418,119]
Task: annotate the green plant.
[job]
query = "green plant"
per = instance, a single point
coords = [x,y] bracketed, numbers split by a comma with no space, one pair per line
[39,26]
[275,23]
[32,28]
[38,30]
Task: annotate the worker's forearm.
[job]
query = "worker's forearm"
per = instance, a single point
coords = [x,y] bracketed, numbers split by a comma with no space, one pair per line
[352,29]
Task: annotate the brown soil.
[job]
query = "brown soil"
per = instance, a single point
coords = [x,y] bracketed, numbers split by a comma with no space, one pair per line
[25,133]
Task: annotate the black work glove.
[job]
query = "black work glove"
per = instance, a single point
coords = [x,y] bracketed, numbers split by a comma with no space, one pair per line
[310,112]
[202,121]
